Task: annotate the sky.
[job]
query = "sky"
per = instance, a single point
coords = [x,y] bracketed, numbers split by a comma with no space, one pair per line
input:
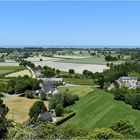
[95,23]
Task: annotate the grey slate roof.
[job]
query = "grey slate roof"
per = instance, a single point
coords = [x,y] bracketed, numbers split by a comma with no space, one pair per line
[46,116]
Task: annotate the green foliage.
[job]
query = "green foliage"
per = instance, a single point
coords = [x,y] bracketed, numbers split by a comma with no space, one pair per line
[59,109]
[29,94]
[135,101]
[43,96]
[110,58]
[105,133]
[45,131]
[48,72]
[37,108]
[27,63]
[21,84]
[68,132]
[3,124]
[119,94]
[65,98]
[65,118]
[71,71]
[123,127]
[20,132]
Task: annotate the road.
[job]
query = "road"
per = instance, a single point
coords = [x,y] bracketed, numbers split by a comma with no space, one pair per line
[32,72]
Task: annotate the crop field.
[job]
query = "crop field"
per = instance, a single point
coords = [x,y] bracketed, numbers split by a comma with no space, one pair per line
[81,91]
[79,81]
[90,60]
[20,73]
[19,108]
[9,63]
[99,109]
[7,69]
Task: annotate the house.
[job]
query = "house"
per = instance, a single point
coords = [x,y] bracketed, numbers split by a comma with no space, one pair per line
[38,73]
[129,82]
[51,79]
[46,116]
[49,88]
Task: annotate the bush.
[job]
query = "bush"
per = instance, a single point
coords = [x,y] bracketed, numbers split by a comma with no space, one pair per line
[43,96]
[71,71]
[123,127]
[64,98]
[29,94]
[59,109]
[37,108]
[65,118]
[105,133]
[119,94]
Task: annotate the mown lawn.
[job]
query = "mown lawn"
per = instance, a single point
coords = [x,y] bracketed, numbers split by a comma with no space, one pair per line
[19,108]
[79,81]
[81,91]
[99,109]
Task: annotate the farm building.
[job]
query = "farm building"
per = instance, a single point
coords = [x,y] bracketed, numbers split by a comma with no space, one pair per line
[49,88]
[38,73]
[129,82]
[51,79]
[46,116]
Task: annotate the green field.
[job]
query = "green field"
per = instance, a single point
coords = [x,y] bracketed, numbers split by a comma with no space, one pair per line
[79,81]
[90,60]
[81,91]
[99,109]
[11,68]
[7,69]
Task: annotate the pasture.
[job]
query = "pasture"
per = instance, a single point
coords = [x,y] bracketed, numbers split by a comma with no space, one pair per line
[99,109]
[19,107]
[79,81]
[81,91]
[8,69]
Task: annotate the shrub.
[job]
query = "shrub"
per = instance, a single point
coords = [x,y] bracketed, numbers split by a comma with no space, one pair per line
[59,109]
[71,71]
[105,133]
[37,108]
[29,94]
[65,118]
[123,127]
[43,96]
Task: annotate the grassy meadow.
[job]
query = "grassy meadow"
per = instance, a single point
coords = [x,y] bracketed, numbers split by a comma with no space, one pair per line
[99,109]
[79,81]
[19,107]
[81,91]
[7,69]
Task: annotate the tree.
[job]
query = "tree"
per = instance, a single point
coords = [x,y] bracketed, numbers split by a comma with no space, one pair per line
[135,101]
[59,109]
[3,124]
[123,127]
[119,94]
[43,96]
[105,133]
[45,131]
[37,108]
[29,94]
[71,71]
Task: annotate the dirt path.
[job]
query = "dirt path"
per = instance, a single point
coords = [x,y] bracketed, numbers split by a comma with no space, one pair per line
[32,72]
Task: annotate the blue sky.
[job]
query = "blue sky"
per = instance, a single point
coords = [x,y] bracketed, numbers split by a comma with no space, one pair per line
[70,23]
